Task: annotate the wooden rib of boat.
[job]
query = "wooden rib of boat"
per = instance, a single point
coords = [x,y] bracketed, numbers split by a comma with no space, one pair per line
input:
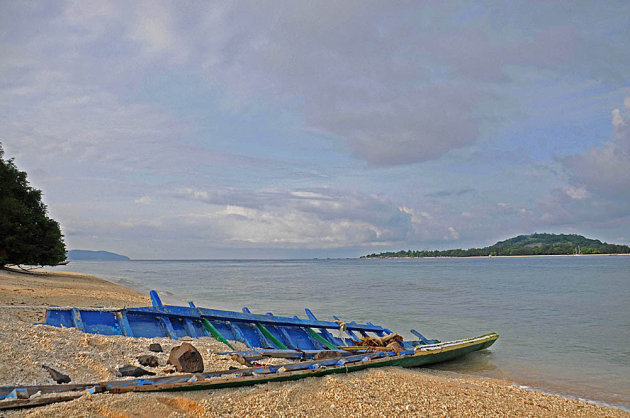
[22,396]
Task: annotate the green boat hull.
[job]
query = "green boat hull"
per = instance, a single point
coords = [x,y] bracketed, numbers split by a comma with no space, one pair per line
[424,355]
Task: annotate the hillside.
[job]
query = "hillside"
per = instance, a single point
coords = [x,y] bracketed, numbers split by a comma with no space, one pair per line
[535,244]
[95,256]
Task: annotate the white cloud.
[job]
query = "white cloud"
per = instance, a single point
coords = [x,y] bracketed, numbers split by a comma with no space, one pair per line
[605,170]
[577,193]
[316,218]
[451,235]
[599,190]
[144,200]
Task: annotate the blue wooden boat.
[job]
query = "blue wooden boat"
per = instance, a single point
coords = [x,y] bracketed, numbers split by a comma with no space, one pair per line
[266,331]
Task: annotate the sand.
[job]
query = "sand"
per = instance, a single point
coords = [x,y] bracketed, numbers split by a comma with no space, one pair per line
[89,358]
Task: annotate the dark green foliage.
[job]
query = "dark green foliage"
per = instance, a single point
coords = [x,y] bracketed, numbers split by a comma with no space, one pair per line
[27,234]
[535,244]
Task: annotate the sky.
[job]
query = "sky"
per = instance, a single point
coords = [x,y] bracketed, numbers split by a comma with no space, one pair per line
[301,129]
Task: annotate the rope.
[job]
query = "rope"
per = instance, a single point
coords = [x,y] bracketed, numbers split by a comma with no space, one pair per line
[342,328]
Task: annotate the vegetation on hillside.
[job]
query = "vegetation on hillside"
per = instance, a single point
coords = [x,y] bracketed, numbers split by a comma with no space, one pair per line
[535,244]
[27,235]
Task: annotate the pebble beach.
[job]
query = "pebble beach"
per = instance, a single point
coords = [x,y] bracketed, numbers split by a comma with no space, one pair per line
[25,348]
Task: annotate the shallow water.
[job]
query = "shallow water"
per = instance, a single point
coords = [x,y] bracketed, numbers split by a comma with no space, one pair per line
[564,322]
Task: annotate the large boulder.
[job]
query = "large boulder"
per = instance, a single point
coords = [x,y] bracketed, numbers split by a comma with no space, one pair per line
[186,359]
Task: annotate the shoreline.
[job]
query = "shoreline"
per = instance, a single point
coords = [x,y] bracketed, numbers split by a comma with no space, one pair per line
[505,256]
[424,391]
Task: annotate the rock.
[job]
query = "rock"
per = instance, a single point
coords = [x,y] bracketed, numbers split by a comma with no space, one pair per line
[148,360]
[57,376]
[129,370]
[186,359]
[156,348]
[328,354]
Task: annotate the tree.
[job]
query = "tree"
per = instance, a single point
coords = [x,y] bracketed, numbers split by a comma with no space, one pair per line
[27,234]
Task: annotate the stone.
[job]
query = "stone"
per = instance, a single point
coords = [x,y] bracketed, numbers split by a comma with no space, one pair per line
[57,376]
[327,355]
[148,360]
[186,359]
[129,370]
[156,348]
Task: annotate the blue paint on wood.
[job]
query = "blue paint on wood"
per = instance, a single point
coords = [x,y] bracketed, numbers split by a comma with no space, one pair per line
[180,321]
[190,328]
[155,299]
[323,332]
[238,335]
[310,314]
[125,328]
[168,327]
[380,332]
[17,393]
[266,342]
[76,319]
[421,338]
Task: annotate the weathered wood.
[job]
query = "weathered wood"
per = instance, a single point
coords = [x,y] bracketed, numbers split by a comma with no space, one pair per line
[123,323]
[30,403]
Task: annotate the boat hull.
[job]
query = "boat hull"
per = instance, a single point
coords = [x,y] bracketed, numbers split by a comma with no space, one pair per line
[432,354]
[420,356]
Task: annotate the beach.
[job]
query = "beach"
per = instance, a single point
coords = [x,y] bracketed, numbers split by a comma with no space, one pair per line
[24,348]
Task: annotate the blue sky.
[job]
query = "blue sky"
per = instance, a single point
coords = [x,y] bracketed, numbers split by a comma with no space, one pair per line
[319,129]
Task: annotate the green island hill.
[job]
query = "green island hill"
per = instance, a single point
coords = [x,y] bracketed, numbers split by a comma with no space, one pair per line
[534,244]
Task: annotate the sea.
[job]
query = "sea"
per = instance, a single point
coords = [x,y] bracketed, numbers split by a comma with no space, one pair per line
[563,321]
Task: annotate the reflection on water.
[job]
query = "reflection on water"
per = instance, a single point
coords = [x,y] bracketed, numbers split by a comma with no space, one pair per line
[476,363]
[563,321]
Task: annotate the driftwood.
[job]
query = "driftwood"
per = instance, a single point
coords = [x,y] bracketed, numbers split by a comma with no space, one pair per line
[390,342]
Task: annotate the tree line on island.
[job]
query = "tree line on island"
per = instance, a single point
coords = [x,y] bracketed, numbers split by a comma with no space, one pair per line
[534,244]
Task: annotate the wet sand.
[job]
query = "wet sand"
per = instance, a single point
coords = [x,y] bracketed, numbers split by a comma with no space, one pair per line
[88,358]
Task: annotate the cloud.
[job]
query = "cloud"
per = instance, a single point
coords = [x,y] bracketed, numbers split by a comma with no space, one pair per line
[315,218]
[452,235]
[392,85]
[598,192]
[605,170]
[449,193]
[144,200]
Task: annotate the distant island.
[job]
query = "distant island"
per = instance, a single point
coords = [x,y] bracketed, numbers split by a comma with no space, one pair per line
[535,244]
[94,256]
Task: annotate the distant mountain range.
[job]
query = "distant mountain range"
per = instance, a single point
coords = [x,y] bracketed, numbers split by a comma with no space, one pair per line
[95,256]
[534,244]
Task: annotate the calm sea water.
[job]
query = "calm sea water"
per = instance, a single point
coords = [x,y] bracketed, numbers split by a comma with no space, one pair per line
[564,322]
